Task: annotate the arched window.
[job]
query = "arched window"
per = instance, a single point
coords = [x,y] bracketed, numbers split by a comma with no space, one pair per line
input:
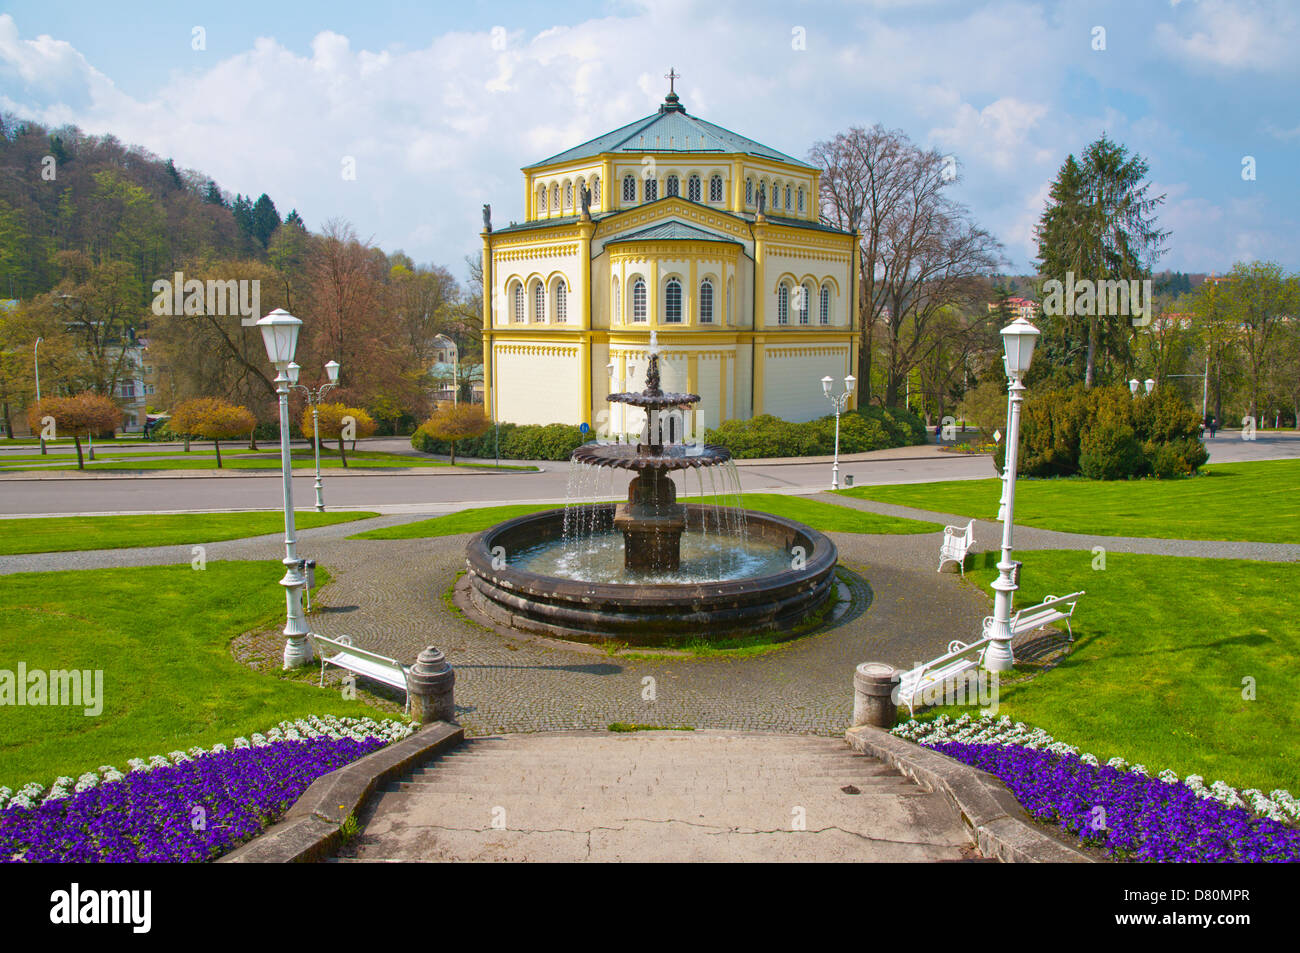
[801,198]
[693,188]
[776,195]
[595,191]
[568,195]
[561,302]
[706,301]
[826,304]
[783,304]
[749,191]
[638,301]
[651,189]
[539,302]
[787,198]
[715,189]
[629,188]
[673,302]
[616,316]
[541,199]
[520,315]
[555,197]
[673,186]
[805,303]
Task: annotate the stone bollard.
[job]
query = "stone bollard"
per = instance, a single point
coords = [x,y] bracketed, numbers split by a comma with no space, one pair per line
[874,684]
[432,682]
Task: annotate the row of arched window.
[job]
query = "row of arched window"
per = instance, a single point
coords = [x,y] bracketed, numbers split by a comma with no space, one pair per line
[775,196]
[566,197]
[559,302]
[672,185]
[674,301]
[801,299]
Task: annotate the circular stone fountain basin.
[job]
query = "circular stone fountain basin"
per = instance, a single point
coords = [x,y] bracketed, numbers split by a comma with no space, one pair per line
[793,565]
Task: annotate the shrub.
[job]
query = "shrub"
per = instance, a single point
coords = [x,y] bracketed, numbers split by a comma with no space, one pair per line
[868,428]
[516,442]
[1104,433]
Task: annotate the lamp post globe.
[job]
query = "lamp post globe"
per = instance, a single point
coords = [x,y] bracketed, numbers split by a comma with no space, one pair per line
[1149,385]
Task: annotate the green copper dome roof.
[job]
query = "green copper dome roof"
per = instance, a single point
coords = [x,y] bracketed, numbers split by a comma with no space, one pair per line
[671,129]
[672,231]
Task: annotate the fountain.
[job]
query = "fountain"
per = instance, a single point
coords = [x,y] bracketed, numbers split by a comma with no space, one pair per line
[600,571]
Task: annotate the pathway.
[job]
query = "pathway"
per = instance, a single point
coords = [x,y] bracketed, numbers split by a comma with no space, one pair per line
[658,796]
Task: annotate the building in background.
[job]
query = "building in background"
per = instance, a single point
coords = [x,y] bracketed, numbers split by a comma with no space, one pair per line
[675,225]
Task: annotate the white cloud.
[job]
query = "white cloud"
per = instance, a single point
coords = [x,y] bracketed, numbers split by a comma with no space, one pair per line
[1233,35]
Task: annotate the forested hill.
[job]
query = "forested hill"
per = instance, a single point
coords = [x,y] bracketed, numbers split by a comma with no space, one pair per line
[64,191]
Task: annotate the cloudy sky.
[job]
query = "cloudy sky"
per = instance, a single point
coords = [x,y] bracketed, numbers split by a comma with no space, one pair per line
[440,104]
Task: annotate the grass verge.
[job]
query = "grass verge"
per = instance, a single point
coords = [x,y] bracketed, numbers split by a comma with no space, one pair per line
[1247,502]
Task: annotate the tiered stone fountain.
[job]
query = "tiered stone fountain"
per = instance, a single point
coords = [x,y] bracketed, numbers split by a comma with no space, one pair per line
[600,571]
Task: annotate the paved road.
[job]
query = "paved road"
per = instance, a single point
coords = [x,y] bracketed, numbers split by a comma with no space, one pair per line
[441,490]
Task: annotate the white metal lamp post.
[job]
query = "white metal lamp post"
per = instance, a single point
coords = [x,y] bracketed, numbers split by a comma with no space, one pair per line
[1149,385]
[280,335]
[313,398]
[1133,386]
[840,401]
[1018,340]
[36,358]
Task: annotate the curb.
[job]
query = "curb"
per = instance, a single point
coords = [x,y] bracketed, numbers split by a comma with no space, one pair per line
[1002,829]
[311,830]
[262,473]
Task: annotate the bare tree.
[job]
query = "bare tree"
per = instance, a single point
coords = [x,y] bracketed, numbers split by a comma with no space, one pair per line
[920,254]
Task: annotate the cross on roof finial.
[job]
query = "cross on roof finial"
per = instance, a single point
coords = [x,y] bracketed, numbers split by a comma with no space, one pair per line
[672,76]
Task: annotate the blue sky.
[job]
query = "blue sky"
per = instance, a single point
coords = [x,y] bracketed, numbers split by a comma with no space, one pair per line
[440,104]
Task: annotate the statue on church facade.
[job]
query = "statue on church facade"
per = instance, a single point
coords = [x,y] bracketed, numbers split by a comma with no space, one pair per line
[487,218]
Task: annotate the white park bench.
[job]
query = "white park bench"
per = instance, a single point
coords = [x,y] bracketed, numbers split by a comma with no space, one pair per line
[959,659]
[956,543]
[1052,609]
[378,668]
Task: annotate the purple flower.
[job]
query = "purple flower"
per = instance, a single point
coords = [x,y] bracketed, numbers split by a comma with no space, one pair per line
[1128,816]
[193,811]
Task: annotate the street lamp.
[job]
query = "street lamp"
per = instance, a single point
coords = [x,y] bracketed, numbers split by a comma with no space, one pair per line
[1133,386]
[839,401]
[36,358]
[1018,340]
[313,398]
[280,335]
[1149,384]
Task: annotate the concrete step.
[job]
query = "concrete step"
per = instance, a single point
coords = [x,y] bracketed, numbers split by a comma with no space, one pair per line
[657,796]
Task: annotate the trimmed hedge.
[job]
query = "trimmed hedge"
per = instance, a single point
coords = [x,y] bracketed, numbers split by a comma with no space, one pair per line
[1105,433]
[868,428]
[517,442]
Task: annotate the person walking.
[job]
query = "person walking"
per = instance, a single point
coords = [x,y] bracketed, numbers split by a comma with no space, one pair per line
[1214,425]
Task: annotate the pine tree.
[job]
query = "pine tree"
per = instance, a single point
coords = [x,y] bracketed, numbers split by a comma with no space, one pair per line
[265,219]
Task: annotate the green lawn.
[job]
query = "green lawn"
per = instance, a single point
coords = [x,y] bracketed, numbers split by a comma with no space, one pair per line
[160,635]
[61,534]
[238,457]
[1257,502]
[1163,645]
[826,517]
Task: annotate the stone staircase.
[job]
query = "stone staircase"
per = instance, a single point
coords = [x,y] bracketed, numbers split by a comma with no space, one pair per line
[657,796]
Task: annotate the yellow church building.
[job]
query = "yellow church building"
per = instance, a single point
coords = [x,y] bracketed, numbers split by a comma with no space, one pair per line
[675,225]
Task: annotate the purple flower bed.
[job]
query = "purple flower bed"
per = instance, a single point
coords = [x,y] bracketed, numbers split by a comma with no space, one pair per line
[151,816]
[1146,819]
